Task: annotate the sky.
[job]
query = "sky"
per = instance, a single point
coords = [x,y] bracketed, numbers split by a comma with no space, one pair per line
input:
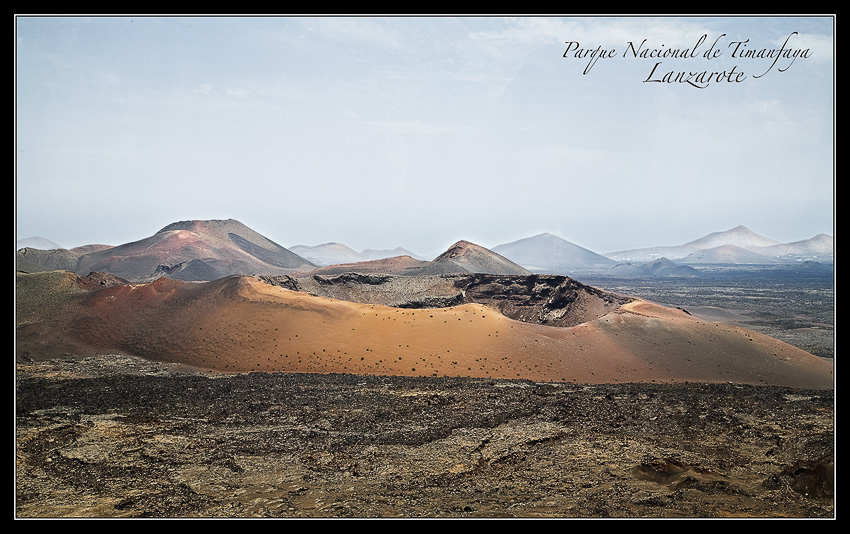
[380,132]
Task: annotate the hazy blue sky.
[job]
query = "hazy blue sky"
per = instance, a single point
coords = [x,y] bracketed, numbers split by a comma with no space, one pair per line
[418,132]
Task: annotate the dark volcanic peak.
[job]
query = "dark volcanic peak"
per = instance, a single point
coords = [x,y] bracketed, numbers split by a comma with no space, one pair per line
[33,259]
[477,259]
[458,249]
[194,250]
[210,225]
[223,230]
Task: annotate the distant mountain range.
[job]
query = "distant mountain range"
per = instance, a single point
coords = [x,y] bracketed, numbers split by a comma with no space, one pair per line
[660,268]
[337,253]
[37,242]
[547,253]
[727,254]
[462,257]
[821,245]
[186,250]
[207,250]
[749,247]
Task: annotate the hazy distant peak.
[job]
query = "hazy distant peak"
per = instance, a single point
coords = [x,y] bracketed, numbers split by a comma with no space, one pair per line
[330,245]
[37,242]
[820,238]
[657,268]
[547,237]
[327,253]
[740,229]
[372,254]
[731,254]
[740,236]
[820,245]
[547,252]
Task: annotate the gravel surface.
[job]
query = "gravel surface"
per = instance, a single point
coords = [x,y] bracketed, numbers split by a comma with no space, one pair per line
[116,436]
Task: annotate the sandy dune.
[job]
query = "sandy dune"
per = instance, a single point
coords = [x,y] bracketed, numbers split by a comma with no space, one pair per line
[240,324]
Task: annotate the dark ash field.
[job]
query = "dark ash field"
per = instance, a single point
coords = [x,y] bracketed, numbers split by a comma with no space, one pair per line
[117,436]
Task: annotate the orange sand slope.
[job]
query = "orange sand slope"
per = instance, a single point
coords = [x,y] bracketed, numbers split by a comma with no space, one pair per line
[240,324]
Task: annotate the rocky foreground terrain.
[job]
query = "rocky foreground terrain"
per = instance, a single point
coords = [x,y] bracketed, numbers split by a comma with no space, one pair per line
[115,436]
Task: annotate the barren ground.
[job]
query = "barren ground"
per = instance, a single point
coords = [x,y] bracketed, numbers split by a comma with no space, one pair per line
[116,436]
[791,307]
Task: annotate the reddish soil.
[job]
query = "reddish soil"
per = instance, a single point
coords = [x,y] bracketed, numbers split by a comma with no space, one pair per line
[241,324]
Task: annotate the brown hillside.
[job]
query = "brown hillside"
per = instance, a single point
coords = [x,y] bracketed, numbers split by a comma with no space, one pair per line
[399,265]
[477,259]
[462,257]
[194,251]
[242,324]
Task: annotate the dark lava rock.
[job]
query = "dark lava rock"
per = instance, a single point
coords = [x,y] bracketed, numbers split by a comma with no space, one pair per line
[115,436]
